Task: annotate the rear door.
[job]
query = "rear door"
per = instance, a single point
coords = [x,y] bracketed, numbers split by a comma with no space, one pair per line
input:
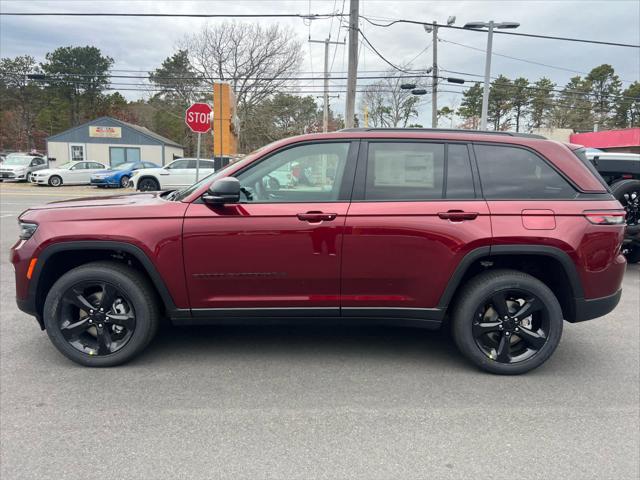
[416,212]
[278,251]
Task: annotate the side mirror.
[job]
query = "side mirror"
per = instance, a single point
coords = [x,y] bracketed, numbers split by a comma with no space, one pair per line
[225,190]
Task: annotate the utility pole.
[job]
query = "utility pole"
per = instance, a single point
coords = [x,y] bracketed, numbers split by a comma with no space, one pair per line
[353,64]
[434,83]
[325,113]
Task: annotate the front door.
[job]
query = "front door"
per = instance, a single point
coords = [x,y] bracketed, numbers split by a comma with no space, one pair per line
[416,212]
[278,251]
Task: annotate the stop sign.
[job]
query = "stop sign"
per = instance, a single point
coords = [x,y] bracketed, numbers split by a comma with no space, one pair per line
[198,117]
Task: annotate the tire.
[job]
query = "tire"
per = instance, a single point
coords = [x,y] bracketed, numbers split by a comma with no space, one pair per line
[627,192]
[82,344]
[28,179]
[55,181]
[483,336]
[633,254]
[148,185]
[124,181]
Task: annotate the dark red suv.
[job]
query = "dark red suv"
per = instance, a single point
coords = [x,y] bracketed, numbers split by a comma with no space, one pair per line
[502,235]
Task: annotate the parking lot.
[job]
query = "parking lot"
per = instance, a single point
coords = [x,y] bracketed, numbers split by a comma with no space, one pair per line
[300,403]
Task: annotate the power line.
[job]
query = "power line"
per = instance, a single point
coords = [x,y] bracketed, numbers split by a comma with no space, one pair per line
[379,54]
[501,32]
[521,59]
[310,16]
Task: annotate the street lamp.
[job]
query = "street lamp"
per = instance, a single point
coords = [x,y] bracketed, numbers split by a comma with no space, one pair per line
[487,66]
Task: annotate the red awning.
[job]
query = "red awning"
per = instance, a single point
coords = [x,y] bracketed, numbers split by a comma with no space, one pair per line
[628,137]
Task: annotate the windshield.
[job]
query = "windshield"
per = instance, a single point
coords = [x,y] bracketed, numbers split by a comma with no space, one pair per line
[17,160]
[66,166]
[125,166]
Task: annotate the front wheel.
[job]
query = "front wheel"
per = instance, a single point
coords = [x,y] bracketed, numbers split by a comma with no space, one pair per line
[148,185]
[507,322]
[101,314]
[28,179]
[55,181]
[124,181]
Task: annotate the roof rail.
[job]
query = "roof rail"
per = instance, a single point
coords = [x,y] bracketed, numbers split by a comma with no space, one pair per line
[445,130]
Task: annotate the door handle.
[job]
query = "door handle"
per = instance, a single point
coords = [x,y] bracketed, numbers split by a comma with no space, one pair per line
[457,215]
[313,217]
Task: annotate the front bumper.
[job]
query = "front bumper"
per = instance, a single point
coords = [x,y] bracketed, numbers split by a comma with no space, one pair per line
[101,182]
[12,176]
[39,180]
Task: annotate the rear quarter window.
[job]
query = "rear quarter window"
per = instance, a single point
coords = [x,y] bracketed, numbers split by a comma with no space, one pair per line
[516,173]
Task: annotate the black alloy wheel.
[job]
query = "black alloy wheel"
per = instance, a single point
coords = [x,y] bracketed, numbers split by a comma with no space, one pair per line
[96,318]
[101,314]
[511,326]
[506,322]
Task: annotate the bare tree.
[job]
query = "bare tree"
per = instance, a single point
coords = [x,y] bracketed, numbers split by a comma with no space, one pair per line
[255,60]
[388,105]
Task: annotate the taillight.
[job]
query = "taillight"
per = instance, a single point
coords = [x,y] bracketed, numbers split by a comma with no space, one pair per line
[605,217]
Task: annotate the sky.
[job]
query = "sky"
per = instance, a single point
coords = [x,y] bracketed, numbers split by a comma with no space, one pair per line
[141,44]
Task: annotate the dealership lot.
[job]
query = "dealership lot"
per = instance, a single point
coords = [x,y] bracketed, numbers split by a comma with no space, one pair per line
[291,402]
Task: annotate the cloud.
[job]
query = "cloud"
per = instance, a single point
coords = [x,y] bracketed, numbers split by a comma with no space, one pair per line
[142,43]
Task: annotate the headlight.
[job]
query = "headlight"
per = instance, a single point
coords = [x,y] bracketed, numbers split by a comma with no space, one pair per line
[134,173]
[27,230]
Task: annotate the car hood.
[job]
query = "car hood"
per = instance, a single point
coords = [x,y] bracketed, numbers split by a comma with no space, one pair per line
[107,172]
[50,171]
[142,171]
[101,201]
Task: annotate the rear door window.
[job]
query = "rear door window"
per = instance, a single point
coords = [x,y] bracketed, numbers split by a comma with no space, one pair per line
[405,171]
[516,173]
[459,176]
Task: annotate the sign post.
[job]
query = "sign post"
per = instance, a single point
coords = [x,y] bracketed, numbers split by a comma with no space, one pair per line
[198,119]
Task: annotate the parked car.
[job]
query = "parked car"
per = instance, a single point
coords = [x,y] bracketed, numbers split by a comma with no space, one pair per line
[502,235]
[20,167]
[71,173]
[178,174]
[120,175]
[621,171]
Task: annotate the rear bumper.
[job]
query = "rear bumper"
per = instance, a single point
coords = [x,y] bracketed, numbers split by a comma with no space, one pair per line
[588,309]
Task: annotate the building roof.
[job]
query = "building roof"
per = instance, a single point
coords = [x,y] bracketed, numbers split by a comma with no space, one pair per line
[141,130]
[146,131]
[627,137]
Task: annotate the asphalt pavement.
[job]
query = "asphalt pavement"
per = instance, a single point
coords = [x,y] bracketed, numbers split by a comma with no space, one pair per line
[306,403]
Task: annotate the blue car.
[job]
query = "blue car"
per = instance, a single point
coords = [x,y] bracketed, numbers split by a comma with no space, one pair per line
[119,176]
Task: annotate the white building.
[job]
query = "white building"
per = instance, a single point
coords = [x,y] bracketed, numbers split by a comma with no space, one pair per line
[112,142]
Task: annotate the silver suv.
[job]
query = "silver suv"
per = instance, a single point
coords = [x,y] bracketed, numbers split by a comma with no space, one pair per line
[20,166]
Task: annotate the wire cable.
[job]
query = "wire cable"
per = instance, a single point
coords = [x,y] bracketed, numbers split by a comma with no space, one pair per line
[516,34]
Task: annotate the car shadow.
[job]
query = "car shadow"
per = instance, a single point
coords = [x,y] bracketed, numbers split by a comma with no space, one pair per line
[287,342]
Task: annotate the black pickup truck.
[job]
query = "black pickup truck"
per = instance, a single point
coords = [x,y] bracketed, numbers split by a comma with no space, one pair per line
[622,172]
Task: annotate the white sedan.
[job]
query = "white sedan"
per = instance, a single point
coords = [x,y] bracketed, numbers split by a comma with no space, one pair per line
[72,173]
[178,174]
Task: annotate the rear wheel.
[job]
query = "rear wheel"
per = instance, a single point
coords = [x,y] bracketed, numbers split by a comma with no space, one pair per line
[55,181]
[507,322]
[101,314]
[148,185]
